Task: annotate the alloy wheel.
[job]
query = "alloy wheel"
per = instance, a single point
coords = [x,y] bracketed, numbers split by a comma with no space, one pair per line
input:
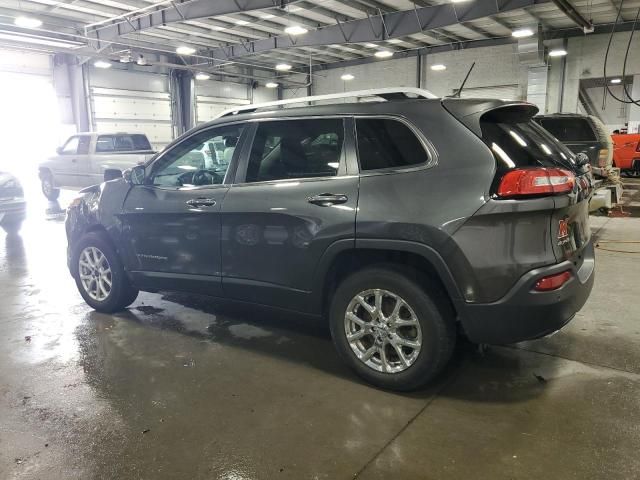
[95,273]
[383,330]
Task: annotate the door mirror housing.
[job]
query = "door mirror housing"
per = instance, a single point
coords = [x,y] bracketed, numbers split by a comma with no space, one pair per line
[135,175]
[59,150]
[582,159]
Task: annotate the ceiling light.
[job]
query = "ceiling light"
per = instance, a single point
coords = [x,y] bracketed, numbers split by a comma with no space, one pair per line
[125,58]
[267,16]
[522,33]
[184,50]
[242,22]
[271,84]
[347,76]
[202,76]
[102,64]
[383,53]
[558,52]
[438,67]
[295,30]
[27,22]
[395,40]
[371,45]
[616,80]
[40,40]
[283,67]
[218,28]
[141,61]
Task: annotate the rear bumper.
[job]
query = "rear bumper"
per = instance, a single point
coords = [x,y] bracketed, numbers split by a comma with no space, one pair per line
[524,314]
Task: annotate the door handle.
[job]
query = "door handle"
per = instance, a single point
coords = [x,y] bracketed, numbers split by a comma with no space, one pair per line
[328,199]
[73,160]
[201,202]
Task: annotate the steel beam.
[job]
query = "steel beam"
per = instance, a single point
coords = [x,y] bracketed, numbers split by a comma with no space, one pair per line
[176,11]
[380,27]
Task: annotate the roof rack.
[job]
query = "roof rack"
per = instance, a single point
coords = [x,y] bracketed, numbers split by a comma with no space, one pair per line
[389,93]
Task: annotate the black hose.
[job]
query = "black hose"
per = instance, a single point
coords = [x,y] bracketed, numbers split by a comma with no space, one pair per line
[626,56]
[606,58]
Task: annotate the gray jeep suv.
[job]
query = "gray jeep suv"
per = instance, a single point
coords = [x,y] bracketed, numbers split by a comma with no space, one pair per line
[403,222]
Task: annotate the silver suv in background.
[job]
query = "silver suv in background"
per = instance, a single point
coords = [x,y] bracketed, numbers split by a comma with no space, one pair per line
[86,159]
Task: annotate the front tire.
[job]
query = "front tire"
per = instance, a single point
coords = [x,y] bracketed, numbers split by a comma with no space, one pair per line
[392,331]
[100,275]
[48,188]
[12,228]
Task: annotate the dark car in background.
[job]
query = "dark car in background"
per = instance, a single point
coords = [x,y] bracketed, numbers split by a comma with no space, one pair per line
[13,206]
[582,134]
[403,223]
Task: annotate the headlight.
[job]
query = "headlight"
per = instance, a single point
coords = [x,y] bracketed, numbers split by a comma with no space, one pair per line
[75,202]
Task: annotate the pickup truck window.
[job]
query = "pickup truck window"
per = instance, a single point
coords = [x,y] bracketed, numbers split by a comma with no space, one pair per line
[83,145]
[71,147]
[201,159]
[122,143]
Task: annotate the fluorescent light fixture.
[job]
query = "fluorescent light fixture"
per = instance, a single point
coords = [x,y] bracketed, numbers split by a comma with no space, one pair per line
[370,45]
[27,22]
[40,40]
[102,64]
[558,52]
[202,76]
[218,28]
[283,67]
[242,22]
[347,76]
[384,53]
[616,80]
[394,40]
[267,16]
[522,33]
[271,84]
[184,50]
[295,30]
[438,67]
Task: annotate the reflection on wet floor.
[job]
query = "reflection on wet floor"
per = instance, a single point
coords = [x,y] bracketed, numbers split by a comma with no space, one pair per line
[183,386]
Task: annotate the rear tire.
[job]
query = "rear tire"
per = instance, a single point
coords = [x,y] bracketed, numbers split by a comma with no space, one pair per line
[100,275]
[411,343]
[48,188]
[12,228]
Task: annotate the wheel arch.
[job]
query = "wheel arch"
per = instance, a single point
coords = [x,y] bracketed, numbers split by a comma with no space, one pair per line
[347,256]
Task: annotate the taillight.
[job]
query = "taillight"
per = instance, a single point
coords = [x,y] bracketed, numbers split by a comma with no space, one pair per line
[535,181]
[603,157]
[638,147]
[552,282]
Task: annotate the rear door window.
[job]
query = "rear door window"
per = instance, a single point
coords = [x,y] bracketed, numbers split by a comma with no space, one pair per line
[519,145]
[569,129]
[289,149]
[83,145]
[387,143]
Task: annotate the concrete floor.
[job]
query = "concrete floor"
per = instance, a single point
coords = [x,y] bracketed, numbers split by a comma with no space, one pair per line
[178,387]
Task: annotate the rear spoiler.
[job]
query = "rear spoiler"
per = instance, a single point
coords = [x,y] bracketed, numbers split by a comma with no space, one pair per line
[471,111]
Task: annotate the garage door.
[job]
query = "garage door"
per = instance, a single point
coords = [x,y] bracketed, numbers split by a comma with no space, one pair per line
[500,92]
[208,108]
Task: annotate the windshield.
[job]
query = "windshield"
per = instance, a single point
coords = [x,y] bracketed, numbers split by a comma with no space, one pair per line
[569,129]
[526,144]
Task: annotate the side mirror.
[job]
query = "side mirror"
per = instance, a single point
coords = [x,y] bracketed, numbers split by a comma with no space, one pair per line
[582,159]
[59,150]
[134,175]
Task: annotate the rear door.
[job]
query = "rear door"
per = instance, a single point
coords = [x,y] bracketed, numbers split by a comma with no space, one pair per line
[294,197]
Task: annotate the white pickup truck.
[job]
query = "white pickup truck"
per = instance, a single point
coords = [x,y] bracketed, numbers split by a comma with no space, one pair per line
[90,158]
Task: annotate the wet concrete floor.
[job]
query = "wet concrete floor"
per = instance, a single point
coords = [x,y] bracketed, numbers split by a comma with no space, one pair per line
[179,387]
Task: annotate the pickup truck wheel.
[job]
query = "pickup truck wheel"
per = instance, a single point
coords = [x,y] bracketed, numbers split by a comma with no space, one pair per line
[100,275]
[48,189]
[390,330]
[12,228]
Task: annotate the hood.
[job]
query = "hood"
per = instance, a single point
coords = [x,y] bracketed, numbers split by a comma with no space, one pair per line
[8,181]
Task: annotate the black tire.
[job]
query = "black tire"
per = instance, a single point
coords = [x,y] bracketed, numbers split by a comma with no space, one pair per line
[435,317]
[12,228]
[122,293]
[48,189]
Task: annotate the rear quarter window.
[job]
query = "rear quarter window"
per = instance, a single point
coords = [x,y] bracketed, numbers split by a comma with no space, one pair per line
[386,143]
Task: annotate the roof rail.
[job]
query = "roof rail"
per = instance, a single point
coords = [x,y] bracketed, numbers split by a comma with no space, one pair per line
[389,93]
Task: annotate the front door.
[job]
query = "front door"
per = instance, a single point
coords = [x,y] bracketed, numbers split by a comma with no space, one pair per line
[172,222]
[65,166]
[293,199]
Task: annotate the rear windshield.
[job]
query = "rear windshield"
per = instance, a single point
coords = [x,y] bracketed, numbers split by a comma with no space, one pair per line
[521,145]
[122,143]
[569,129]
